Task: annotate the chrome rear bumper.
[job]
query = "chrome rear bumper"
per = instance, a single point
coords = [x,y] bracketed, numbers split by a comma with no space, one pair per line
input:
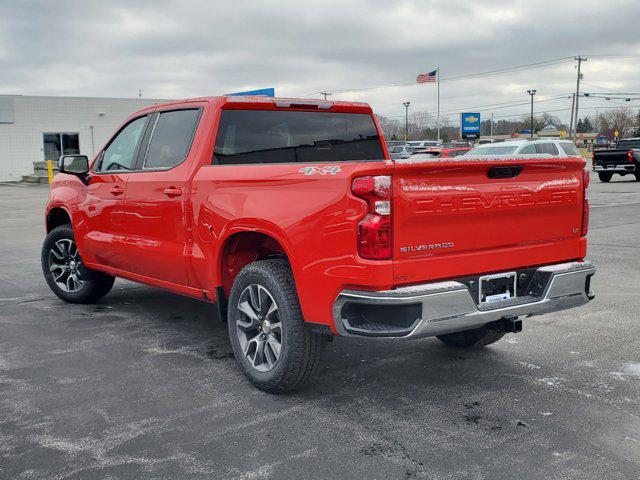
[444,307]
[625,167]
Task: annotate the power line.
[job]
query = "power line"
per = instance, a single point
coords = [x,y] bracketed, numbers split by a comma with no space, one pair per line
[498,71]
[495,106]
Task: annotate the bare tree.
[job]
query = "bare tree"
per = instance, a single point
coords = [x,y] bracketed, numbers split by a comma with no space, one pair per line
[619,119]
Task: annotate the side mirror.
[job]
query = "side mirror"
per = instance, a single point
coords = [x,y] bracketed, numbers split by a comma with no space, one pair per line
[74,164]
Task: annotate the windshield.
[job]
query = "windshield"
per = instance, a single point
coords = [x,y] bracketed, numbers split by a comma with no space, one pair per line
[628,144]
[504,150]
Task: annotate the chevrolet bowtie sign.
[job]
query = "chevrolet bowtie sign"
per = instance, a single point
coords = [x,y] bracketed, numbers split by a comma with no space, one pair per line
[470,125]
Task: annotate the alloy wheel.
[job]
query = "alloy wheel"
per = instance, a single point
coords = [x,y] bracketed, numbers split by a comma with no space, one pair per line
[259,327]
[64,265]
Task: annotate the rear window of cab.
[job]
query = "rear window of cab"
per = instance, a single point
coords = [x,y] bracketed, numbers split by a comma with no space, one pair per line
[266,136]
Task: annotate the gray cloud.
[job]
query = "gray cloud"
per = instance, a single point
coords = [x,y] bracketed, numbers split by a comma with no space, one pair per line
[180,49]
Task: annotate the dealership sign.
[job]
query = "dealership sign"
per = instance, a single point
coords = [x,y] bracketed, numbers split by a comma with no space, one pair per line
[470,125]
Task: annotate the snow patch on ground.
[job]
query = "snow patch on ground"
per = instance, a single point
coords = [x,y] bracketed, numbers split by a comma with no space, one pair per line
[632,369]
[530,366]
[551,381]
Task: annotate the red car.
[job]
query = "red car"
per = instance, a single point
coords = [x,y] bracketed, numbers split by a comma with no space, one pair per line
[290,215]
[444,152]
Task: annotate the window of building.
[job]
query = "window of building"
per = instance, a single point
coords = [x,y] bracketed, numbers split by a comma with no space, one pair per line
[58,144]
[171,138]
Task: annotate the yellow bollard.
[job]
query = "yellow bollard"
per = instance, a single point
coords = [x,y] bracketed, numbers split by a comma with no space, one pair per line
[50,171]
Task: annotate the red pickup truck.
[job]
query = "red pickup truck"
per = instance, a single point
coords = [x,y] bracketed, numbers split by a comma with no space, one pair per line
[291,216]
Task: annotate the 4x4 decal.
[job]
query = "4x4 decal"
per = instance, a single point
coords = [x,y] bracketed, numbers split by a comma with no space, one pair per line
[327,170]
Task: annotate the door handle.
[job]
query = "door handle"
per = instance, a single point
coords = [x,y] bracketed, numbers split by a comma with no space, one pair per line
[117,190]
[172,192]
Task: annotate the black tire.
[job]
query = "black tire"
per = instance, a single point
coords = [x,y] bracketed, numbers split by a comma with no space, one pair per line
[476,338]
[94,286]
[300,350]
[605,177]
[637,175]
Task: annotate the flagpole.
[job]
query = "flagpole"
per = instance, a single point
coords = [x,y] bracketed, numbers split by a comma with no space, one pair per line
[438,117]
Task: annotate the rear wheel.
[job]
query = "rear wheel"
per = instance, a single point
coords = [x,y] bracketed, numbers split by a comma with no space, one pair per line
[270,342]
[476,338]
[605,177]
[65,272]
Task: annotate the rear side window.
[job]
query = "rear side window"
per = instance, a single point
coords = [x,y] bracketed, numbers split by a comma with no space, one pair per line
[171,138]
[570,149]
[492,151]
[546,148]
[628,144]
[253,136]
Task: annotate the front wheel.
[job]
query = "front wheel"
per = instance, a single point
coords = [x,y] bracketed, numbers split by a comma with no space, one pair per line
[605,177]
[65,272]
[476,338]
[270,342]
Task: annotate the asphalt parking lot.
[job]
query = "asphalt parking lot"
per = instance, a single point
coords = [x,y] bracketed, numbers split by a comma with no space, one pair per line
[143,385]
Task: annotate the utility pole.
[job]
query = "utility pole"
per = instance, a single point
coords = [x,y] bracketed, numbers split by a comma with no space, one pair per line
[139,93]
[325,94]
[532,93]
[573,108]
[406,120]
[575,123]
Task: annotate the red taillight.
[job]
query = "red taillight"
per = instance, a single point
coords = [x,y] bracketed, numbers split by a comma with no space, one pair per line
[374,231]
[630,155]
[585,204]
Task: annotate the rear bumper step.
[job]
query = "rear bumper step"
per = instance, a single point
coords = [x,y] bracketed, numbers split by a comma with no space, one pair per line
[445,307]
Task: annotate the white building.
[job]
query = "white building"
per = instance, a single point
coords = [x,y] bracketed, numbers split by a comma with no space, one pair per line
[34,129]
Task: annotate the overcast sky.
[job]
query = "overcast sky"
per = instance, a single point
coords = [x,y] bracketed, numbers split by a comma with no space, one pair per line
[185,49]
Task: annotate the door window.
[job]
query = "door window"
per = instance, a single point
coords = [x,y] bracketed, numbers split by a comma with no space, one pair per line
[121,152]
[171,138]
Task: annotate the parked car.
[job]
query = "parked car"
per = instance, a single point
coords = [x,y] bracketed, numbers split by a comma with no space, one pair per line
[443,152]
[623,159]
[400,151]
[527,148]
[424,144]
[290,215]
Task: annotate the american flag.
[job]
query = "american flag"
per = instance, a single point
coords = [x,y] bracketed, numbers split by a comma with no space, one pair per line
[427,77]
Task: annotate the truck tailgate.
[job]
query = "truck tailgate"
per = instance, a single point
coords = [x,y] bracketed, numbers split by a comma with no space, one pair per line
[458,217]
[611,157]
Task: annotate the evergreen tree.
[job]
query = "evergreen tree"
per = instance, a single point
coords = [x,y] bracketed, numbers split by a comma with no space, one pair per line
[580,126]
[587,126]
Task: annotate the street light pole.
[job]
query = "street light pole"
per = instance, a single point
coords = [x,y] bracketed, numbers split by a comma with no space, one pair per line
[406,120]
[532,93]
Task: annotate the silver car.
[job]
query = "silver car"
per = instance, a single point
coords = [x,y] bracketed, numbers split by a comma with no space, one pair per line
[400,152]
